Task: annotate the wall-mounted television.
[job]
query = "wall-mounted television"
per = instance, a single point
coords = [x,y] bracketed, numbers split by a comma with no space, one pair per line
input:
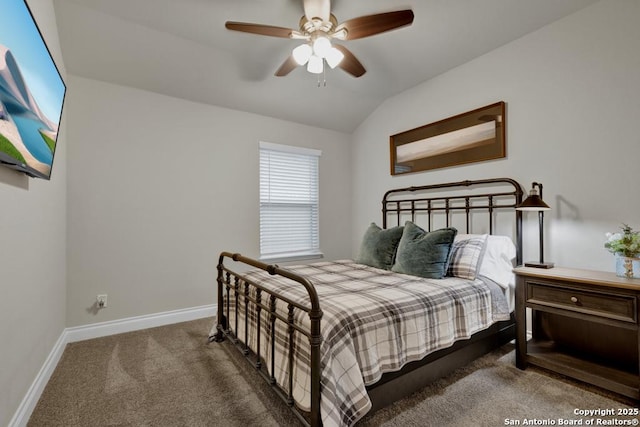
[31,93]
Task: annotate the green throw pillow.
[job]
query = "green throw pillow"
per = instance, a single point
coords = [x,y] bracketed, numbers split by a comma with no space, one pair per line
[422,253]
[378,248]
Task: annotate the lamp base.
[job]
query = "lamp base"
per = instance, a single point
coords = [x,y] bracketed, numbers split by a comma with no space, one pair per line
[538,264]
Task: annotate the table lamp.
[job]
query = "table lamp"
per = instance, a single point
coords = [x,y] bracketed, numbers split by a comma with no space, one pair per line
[534,202]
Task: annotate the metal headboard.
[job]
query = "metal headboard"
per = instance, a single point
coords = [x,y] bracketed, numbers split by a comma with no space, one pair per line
[424,200]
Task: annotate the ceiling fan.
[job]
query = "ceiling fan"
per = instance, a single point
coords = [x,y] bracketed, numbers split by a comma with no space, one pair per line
[318,28]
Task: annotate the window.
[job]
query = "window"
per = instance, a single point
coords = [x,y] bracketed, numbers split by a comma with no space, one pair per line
[288,202]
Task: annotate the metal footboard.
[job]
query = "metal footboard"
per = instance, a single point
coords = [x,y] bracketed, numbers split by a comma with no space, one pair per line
[247,296]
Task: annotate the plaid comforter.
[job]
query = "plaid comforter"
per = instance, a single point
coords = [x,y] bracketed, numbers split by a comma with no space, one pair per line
[374,321]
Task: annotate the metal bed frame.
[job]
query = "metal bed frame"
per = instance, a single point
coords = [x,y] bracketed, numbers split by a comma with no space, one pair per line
[412,203]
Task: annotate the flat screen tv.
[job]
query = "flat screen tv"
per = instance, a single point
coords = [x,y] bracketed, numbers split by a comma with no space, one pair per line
[31,93]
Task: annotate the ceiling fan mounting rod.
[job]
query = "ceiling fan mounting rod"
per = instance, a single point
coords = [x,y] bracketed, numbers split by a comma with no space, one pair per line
[317,8]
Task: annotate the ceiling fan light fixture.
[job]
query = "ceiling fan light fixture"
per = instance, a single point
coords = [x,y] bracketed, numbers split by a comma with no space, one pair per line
[334,57]
[302,53]
[315,65]
[321,46]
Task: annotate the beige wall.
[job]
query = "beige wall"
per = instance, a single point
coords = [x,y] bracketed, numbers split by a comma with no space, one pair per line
[572,93]
[33,260]
[158,186]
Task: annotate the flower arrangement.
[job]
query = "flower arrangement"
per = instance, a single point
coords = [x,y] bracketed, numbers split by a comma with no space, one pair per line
[626,244]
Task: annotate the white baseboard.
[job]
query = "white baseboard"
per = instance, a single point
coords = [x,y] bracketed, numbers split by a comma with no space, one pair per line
[28,404]
[103,329]
[97,330]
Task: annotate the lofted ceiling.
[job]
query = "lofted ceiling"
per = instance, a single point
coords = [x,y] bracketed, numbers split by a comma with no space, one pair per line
[181,48]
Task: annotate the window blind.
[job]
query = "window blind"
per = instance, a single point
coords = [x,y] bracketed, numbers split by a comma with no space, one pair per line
[289,225]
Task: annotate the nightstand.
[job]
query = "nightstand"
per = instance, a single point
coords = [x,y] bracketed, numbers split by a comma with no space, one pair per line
[584,325]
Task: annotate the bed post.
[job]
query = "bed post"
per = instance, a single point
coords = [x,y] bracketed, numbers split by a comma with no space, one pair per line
[315,341]
[519,232]
[219,335]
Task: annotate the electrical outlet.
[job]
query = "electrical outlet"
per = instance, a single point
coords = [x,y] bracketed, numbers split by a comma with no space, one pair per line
[102,301]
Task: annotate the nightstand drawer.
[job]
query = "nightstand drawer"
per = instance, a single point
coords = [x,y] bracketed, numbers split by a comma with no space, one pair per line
[618,307]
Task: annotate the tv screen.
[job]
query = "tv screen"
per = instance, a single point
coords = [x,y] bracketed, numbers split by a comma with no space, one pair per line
[31,93]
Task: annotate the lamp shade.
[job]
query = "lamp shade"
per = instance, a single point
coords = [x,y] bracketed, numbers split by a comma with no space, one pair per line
[315,65]
[533,203]
[321,46]
[302,53]
[334,57]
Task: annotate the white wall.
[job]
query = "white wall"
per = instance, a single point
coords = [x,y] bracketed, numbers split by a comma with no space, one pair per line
[159,186]
[572,92]
[33,260]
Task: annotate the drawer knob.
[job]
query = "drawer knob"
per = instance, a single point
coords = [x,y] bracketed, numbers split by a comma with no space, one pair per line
[574,300]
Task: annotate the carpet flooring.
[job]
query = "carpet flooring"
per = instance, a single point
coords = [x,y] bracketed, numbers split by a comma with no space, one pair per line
[171,376]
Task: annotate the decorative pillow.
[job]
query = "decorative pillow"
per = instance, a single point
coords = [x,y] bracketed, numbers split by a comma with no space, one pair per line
[466,253]
[422,253]
[497,261]
[378,248]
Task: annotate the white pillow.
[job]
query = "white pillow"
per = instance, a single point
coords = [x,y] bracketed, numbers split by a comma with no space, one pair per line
[497,261]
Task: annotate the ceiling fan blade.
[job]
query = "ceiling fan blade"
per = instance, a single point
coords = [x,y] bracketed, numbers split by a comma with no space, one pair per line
[317,9]
[287,66]
[263,30]
[370,25]
[350,63]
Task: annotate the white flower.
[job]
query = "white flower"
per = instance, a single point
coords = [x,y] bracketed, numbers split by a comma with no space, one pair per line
[612,237]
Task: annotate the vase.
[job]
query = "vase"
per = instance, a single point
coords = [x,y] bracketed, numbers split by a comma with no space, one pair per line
[628,267]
